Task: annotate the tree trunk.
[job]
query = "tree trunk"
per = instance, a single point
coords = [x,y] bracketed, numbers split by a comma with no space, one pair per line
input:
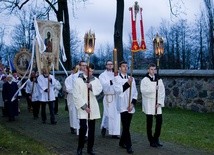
[118,30]
[63,15]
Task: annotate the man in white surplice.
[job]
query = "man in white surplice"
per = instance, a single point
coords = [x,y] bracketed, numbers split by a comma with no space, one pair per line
[111,117]
[149,88]
[122,85]
[69,81]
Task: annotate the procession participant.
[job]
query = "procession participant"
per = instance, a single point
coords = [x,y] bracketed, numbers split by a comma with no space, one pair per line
[2,106]
[111,117]
[33,94]
[148,89]
[122,88]
[9,89]
[46,94]
[16,78]
[86,84]
[73,119]
[57,88]
[65,96]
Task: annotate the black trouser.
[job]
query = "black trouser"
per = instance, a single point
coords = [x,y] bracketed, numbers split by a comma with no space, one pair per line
[51,109]
[56,105]
[29,102]
[36,107]
[149,122]
[82,133]
[125,136]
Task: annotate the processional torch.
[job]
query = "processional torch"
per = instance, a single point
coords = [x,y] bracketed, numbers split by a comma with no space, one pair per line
[115,62]
[135,46]
[158,46]
[89,44]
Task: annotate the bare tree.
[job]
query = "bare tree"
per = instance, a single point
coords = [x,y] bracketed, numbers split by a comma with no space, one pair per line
[118,29]
[210,14]
[59,7]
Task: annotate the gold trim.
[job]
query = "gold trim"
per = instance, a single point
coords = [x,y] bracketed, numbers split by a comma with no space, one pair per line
[22,60]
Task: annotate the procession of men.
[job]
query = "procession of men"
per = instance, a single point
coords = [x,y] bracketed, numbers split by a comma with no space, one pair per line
[82,87]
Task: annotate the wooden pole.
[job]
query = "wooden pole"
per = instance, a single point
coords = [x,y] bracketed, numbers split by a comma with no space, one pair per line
[88,81]
[156,98]
[131,72]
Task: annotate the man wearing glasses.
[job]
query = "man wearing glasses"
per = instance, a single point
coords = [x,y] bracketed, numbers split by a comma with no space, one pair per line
[111,117]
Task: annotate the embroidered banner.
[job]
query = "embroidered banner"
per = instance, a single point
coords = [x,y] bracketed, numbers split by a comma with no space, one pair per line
[50,33]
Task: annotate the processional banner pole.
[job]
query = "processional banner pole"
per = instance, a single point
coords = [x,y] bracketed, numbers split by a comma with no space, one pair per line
[135,46]
[89,44]
[158,46]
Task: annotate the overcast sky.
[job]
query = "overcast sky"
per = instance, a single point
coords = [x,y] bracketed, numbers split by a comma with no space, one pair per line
[99,15]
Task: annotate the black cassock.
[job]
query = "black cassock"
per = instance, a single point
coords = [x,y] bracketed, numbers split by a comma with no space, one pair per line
[8,92]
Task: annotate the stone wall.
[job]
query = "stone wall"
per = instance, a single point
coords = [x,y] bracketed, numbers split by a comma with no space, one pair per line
[188,89]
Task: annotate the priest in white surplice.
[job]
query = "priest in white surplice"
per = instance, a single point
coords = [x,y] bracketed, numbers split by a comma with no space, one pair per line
[148,89]
[111,117]
[87,114]
[69,81]
[122,89]
[46,94]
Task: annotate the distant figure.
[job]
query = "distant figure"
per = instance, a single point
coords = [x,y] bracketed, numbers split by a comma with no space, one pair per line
[9,89]
[48,43]
[46,83]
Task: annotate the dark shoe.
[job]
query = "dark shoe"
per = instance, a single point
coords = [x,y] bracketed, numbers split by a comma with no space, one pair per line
[130,151]
[115,137]
[79,151]
[122,145]
[54,122]
[103,132]
[158,144]
[91,152]
[43,122]
[72,130]
[153,144]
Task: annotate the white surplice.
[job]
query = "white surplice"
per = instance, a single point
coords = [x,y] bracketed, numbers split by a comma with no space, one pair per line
[111,117]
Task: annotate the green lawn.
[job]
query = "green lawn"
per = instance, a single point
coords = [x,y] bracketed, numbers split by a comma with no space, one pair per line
[179,126]
[182,127]
[13,143]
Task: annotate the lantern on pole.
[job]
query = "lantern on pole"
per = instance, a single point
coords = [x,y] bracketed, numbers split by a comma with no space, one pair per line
[158,46]
[89,44]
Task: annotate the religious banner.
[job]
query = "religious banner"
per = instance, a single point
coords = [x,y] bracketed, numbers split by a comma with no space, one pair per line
[50,34]
[22,61]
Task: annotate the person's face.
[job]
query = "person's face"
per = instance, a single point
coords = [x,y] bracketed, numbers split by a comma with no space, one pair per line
[9,79]
[91,71]
[44,71]
[48,34]
[83,66]
[124,68]
[33,74]
[152,71]
[109,65]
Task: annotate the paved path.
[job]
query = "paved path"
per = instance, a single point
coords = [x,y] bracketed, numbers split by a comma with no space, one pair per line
[59,139]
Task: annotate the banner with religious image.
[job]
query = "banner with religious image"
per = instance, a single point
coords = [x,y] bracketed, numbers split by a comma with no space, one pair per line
[50,35]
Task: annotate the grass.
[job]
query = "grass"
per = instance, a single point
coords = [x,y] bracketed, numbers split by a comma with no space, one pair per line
[181,127]
[13,143]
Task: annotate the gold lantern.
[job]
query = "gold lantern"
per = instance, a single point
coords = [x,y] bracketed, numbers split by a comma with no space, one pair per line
[89,42]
